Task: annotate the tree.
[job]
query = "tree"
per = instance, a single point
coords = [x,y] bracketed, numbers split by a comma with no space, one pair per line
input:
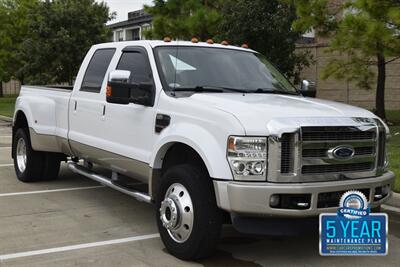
[60,34]
[267,27]
[366,31]
[184,19]
[13,30]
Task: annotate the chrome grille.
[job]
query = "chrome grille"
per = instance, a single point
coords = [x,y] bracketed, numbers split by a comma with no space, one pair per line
[335,134]
[316,142]
[382,148]
[287,145]
[308,152]
[352,167]
[323,152]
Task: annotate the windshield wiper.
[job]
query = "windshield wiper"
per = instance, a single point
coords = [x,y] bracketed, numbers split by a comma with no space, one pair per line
[207,88]
[273,91]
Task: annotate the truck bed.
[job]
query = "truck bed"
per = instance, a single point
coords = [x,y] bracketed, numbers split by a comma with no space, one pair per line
[48,109]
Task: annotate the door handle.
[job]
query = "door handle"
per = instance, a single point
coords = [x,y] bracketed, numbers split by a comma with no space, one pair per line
[103,116]
[76,105]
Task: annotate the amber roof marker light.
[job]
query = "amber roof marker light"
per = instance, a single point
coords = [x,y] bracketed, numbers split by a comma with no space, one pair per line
[195,40]
[167,39]
[210,41]
[246,46]
[109,91]
[225,42]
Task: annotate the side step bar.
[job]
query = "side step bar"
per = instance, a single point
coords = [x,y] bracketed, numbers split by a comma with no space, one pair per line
[107,182]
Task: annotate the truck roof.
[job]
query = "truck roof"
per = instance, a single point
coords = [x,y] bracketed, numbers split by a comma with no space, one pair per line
[157,43]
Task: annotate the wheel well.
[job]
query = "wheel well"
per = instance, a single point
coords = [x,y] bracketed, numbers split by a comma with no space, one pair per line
[176,154]
[180,153]
[20,122]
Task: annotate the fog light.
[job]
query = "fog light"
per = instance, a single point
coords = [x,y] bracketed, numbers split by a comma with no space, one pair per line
[274,201]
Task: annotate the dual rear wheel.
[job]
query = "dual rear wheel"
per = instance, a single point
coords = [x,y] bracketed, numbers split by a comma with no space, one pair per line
[31,165]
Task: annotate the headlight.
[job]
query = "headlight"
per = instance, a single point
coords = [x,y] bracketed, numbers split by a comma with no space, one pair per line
[247,158]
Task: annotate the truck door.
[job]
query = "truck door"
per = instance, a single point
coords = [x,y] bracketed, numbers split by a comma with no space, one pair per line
[87,105]
[129,129]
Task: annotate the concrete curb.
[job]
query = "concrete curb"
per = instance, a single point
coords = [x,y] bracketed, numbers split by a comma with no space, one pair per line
[6,119]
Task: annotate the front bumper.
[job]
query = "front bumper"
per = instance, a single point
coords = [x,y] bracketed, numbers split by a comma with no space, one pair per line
[253,199]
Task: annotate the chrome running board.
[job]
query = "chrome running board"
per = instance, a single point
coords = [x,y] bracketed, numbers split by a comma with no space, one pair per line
[76,168]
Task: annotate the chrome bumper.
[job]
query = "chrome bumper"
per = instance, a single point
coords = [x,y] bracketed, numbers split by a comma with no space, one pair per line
[253,199]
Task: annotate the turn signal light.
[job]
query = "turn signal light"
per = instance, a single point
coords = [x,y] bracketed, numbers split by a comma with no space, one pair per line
[108,91]
[167,39]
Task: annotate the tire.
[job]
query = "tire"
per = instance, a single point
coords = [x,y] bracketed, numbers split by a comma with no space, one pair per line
[200,235]
[51,167]
[30,165]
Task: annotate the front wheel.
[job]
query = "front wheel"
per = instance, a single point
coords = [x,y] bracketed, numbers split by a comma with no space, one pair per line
[188,218]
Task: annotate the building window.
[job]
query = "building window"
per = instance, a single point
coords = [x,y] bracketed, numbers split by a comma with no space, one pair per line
[119,36]
[133,34]
[145,28]
[136,34]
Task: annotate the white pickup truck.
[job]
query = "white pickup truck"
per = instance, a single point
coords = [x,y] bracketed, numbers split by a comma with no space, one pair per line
[211,130]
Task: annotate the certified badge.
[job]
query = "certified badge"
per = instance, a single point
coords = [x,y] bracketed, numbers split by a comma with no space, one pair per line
[353,205]
[353,230]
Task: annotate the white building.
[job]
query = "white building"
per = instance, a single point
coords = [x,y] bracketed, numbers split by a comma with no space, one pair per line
[133,28]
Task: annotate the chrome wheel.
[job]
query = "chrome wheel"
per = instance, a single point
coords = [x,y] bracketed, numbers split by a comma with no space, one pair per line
[21,155]
[176,213]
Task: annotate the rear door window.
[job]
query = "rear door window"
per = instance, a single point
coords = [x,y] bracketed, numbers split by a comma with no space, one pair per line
[96,70]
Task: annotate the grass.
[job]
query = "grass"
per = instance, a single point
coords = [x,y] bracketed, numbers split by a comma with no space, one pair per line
[393,116]
[7,105]
[394,155]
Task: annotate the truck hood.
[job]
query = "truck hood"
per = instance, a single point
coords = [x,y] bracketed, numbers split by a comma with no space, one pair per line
[255,111]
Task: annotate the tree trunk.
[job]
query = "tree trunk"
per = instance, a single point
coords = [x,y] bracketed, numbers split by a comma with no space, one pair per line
[1,89]
[380,88]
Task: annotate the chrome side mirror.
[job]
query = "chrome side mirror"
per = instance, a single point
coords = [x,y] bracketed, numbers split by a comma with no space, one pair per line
[119,76]
[308,89]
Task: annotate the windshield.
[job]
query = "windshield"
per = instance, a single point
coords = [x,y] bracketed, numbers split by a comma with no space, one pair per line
[191,68]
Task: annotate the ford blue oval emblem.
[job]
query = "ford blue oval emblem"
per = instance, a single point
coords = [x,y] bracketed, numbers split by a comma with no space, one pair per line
[341,152]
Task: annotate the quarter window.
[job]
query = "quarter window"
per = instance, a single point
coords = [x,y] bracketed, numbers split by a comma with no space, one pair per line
[96,70]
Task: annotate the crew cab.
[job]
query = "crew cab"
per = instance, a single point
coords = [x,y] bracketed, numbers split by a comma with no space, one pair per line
[211,130]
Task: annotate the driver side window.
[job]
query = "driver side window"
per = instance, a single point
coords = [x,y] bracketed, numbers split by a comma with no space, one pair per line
[137,63]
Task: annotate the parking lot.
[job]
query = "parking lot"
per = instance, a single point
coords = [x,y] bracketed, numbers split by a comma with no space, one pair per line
[74,221]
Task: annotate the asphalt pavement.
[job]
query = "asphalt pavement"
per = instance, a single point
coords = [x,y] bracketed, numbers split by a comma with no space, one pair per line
[74,221]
